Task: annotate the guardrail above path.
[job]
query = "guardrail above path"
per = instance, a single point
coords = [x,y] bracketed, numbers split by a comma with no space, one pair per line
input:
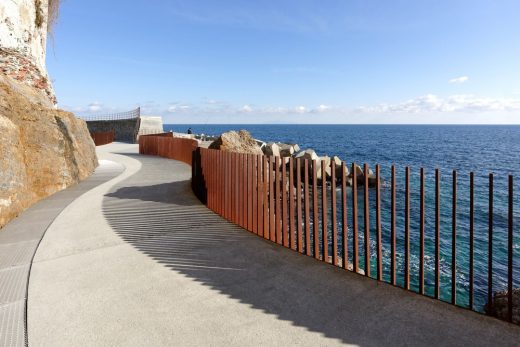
[285,201]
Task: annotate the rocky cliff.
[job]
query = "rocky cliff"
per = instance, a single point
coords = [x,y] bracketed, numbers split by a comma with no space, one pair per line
[23,37]
[42,150]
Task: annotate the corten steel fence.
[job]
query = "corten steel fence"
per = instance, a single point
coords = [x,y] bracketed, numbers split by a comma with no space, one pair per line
[114,116]
[286,202]
[167,146]
[102,138]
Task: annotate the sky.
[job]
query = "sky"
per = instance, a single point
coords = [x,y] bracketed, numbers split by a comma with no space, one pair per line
[290,61]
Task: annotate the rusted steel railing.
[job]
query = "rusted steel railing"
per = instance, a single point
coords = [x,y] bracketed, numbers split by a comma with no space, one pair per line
[167,146]
[292,203]
[102,138]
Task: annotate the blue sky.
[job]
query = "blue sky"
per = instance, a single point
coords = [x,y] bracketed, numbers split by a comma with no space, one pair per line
[328,61]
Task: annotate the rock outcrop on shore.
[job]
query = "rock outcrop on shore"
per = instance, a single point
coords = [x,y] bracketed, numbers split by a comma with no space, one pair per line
[500,306]
[239,142]
[42,150]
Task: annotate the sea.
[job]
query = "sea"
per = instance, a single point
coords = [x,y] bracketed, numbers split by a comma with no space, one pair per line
[482,149]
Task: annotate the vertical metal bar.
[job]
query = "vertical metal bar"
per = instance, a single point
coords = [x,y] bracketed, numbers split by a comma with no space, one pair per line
[260,196]
[241,212]
[334,229]
[272,225]
[421,237]
[299,206]
[219,185]
[315,210]
[454,242]
[237,189]
[510,252]
[344,217]
[490,242]
[393,277]
[232,186]
[267,231]
[249,192]
[253,194]
[285,235]
[378,225]
[471,237]
[291,204]
[324,231]
[355,255]
[367,221]
[407,231]
[278,212]
[228,184]
[306,207]
[437,234]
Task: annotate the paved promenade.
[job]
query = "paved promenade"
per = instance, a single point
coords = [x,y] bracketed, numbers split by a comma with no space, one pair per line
[138,261]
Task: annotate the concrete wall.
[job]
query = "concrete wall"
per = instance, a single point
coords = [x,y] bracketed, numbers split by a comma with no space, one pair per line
[23,39]
[125,129]
[151,125]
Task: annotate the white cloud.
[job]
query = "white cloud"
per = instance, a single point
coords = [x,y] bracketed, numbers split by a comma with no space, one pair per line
[247,108]
[301,109]
[453,104]
[94,107]
[323,108]
[459,80]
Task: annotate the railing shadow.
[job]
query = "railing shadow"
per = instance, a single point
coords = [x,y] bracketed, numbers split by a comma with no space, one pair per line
[156,211]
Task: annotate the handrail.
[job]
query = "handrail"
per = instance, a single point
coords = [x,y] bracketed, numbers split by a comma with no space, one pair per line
[113,116]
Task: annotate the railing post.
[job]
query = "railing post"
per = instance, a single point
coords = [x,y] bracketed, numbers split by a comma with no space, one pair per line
[490,243]
[344,216]
[510,250]
[378,225]
[407,231]
[393,277]
[306,207]
[324,222]
[355,244]
[437,234]
[367,220]
[454,242]
[333,217]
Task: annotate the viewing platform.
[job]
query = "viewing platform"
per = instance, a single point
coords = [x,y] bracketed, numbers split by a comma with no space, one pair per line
[139,260]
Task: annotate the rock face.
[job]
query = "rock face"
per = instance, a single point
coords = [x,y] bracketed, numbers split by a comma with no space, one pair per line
[23,39]
[240,142]
[42,150]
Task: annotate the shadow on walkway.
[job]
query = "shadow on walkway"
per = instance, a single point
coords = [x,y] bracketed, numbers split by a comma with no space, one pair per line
[157,213]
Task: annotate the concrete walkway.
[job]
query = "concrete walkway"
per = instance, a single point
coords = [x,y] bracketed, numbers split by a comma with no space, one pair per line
[19,240]
[139,261]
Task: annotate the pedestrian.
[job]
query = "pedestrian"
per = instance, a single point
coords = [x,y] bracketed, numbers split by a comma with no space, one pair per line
[189,131]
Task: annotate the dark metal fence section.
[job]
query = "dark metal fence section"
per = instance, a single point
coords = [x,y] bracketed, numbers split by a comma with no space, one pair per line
[272,198]
[113,116]
[102,138]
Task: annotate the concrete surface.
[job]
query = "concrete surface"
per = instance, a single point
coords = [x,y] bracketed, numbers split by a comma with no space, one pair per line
[19,240]
[139,261]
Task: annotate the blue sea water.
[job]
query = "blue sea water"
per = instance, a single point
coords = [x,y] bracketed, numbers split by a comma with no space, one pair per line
[479,148]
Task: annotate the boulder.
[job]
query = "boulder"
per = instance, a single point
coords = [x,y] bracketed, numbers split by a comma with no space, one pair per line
[325,160]
[309,154]
[499,306]
[272,149]
[240,142]
[43,150]
[286,150]
[295,147]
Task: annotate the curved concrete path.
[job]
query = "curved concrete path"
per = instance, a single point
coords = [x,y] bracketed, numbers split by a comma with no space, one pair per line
[19,240]
[139,261]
